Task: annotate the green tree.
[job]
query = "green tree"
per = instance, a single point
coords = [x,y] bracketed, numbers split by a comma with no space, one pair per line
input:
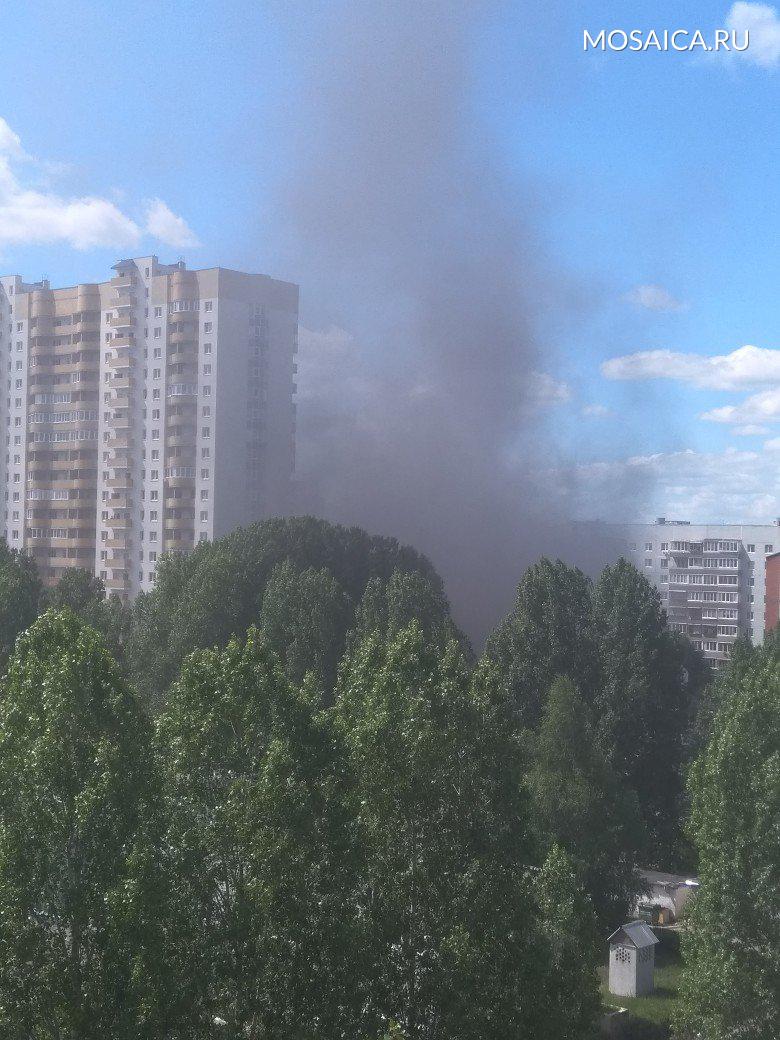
[75,796]
[388,605]
[79,591]
[20,597]
[581,805]
[258,920]
[570,928]
[549,633]
[204,599]
[646,702]
[304,616]
[457,941]
[732,952]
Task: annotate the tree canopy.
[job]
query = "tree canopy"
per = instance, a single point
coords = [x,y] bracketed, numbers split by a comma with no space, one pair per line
[76,785]
[219,591]
[732,952]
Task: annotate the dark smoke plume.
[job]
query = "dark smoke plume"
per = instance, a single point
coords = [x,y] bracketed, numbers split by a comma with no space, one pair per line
[421,409]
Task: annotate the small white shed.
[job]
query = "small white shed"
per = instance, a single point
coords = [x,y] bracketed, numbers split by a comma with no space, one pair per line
[632,960]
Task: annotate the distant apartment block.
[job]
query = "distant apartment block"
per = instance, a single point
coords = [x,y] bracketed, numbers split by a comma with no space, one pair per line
[144,414]
[772,609]
[712,578]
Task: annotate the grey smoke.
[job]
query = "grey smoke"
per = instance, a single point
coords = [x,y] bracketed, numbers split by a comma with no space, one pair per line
[424,278]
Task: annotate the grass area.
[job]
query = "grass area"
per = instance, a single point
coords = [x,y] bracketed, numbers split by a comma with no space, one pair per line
[659,1007]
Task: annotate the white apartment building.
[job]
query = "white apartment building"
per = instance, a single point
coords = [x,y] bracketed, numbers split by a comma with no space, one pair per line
[144,414]
[711,577]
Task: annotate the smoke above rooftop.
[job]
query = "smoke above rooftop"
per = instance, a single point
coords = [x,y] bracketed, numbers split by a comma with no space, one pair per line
[426,294]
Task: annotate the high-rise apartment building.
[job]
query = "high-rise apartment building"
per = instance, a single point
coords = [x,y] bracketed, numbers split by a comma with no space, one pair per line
[711,577]
[144,414]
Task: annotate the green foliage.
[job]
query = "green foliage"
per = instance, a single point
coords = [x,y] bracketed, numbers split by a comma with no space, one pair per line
[549,633]
[75,789]
[258,927]
[642,682]
[646,701]
[732,953]
[304,616]
[20,597]
[581,805]
[574,1005]
[457,939]
[79,591]
[217,592]
[388,605]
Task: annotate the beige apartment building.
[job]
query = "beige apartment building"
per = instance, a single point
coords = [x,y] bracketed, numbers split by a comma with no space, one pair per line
[144,414]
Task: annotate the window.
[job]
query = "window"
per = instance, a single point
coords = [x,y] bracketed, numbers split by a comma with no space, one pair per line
[768,548]
[648,562]
[204,516]
[750,547]
[208,305]
[648,546]
[156,373]
[664,562]
[158,312]
[157,332]
[207,327]
[206,431]
[157,352]
[206,348]
[207,370]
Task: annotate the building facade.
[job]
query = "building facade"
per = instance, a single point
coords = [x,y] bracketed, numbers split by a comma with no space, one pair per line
[712,577]
[772,592]
[144,414]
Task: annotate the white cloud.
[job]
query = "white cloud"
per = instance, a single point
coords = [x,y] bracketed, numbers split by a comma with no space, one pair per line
[29,215]
[758,408]
[751,430]
[733,485]
[762,24]
[10,143]
[544,390]
[164,225]
[743,369]
[596,411]
[654,298]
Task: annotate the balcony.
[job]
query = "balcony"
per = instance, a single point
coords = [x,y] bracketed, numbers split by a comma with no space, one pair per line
[122,543]
[122,361]
[121,321]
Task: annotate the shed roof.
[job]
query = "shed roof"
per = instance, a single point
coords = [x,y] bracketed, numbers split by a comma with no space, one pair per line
[658,877]
[635,932]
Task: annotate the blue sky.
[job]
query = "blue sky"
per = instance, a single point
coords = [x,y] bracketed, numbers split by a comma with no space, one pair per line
[655,179]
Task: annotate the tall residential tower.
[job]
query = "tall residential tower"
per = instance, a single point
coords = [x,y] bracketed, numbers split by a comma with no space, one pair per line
[144,414]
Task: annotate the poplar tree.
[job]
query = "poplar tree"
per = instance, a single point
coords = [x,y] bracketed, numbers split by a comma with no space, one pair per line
[731,981]
[259,913]
[76,794]
[457,941]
